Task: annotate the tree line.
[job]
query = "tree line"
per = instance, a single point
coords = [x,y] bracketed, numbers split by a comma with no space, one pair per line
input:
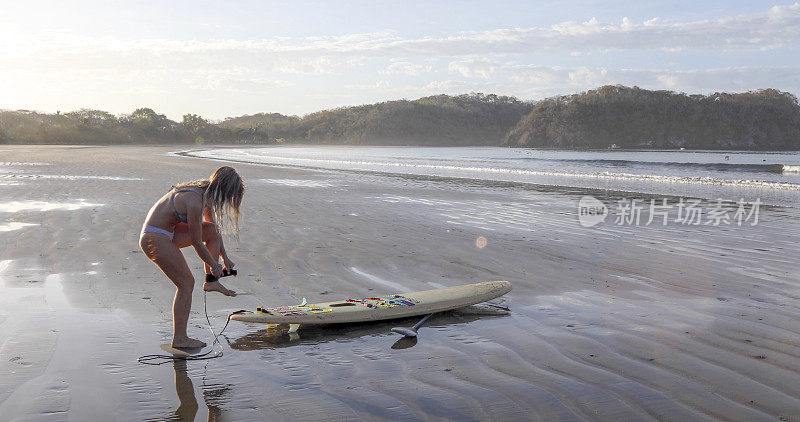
[143,126]
[631,117]
[626,117]
[470,119]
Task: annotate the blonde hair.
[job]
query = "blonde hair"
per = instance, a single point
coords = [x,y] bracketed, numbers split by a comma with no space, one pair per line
[223,193]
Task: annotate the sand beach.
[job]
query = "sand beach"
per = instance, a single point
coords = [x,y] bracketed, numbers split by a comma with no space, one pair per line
[613,322]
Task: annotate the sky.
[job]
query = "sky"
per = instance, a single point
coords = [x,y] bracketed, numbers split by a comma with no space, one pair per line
[224,59]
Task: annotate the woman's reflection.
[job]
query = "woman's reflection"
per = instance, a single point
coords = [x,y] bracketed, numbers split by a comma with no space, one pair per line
[187,410]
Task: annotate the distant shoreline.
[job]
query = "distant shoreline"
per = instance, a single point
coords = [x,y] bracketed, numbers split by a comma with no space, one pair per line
[611,117]
[299,145]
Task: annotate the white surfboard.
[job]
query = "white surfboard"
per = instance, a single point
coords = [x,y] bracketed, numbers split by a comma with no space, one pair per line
[379,308]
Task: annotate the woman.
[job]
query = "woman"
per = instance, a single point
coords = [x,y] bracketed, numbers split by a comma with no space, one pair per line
[188,215]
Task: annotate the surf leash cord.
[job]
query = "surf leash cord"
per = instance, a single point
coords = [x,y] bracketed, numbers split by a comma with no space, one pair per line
[160,359]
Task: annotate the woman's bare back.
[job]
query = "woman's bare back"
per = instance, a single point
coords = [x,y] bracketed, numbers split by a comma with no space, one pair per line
[164,213]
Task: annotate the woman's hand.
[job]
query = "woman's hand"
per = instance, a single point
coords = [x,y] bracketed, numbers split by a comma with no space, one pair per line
[216,270]
[228,262]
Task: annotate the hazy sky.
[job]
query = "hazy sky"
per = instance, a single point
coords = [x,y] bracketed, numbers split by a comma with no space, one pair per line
[220,59]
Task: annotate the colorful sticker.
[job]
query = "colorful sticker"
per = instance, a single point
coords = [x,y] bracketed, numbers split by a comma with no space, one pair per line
[389,301]
[284,310]
[315,309]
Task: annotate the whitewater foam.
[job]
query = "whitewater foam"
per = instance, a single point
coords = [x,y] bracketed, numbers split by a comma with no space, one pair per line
[66,177]
[486,172]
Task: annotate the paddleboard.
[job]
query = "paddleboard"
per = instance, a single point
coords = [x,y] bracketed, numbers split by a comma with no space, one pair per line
[380,307]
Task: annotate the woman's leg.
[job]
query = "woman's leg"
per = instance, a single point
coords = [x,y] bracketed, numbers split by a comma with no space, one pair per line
[213,240]
[160,249]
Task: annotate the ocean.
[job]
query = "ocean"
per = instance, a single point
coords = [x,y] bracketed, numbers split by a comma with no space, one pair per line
[771,177]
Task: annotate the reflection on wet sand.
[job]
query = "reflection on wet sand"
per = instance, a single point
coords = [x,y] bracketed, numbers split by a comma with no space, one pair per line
[404,343]
[279,336]
[187,410]
[215,395]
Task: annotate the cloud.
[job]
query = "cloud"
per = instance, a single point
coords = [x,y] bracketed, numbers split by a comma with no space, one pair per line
[567,79]
[40,67]
[774,28]
[229,84]
[308,66]
[405,68]
[474,68]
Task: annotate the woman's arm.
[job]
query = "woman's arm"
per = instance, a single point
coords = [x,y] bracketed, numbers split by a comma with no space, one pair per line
[194,218]
[229,264]
[208,215]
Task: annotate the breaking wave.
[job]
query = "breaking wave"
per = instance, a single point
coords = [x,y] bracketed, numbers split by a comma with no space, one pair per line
[483,169]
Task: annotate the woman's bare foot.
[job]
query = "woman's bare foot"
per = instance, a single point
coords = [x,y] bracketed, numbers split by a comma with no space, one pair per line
[216,286]
[187,343]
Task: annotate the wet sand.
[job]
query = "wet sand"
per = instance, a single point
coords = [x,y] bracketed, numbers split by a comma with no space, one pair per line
[607,323]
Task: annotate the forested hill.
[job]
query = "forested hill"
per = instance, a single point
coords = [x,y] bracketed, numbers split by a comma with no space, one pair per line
[637,118]
[610,115]
[441,120]
[473,119]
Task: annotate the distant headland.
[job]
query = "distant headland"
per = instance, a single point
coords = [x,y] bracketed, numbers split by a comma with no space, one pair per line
[612,116]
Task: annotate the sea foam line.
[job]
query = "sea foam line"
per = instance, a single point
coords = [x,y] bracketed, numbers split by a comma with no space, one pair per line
[65,177]
[697,180]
